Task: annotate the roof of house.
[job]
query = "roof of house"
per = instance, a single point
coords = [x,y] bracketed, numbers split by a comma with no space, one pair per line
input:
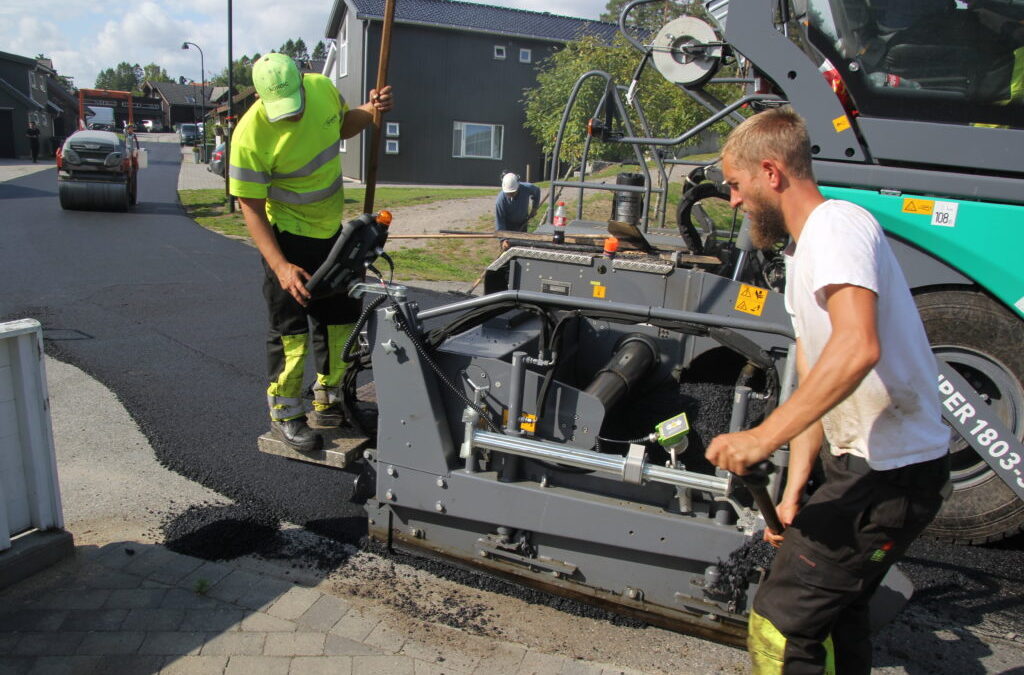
[16,93]
[478,18]
[180,94]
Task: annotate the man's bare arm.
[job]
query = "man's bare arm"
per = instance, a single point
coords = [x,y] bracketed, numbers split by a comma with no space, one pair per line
[357,119]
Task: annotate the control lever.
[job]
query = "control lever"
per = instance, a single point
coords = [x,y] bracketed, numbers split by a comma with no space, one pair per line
[756,481]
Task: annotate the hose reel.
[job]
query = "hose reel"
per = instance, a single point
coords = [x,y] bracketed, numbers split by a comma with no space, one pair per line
[687,51]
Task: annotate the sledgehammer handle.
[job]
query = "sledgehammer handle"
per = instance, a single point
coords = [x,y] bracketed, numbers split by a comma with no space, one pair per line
[756,480]
[382,79]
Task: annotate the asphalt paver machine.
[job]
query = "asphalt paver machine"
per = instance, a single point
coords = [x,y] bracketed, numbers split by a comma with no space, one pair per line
[553,429]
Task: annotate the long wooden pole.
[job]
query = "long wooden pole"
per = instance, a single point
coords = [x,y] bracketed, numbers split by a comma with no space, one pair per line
[382,79]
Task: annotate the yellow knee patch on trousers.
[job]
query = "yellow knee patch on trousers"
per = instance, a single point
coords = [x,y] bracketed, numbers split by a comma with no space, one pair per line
[767,647]
[337,336]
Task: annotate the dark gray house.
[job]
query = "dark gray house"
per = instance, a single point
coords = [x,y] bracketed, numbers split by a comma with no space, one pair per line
[24,98]
[180,102]
[459,70]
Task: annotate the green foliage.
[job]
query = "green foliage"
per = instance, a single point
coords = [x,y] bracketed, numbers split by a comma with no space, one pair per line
[123,77]
[647,19]
[241,73]
[295,49]
[154,73]
[668,110]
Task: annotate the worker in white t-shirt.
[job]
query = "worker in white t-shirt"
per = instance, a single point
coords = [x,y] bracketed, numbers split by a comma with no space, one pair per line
[867,385]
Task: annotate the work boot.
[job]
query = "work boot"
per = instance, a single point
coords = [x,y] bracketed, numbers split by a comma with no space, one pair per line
[330,416]
[296,434]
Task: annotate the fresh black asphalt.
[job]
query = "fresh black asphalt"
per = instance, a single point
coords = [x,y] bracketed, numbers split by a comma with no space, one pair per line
[169,316]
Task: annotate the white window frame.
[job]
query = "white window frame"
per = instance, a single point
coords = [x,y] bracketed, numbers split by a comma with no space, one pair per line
[458,132]
[343,48]
[391,146]
[528,53]
[499,52]
[342,147]
[392,129]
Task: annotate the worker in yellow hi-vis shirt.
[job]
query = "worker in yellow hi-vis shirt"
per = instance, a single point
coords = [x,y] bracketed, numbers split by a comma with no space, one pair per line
[286,172]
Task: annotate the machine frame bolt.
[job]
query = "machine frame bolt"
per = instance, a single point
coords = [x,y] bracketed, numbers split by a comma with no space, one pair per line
[391,470]
[389,495]
[439,507]
[441,482]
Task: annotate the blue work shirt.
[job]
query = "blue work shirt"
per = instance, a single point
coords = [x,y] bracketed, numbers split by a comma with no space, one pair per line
[512,214]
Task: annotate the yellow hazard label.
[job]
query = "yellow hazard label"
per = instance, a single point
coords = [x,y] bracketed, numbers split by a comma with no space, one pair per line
[528,423]
[751,299]
[599,290]
[922,206]
[841,123]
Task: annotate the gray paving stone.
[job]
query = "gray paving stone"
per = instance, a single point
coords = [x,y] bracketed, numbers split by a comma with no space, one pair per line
[195,665]
[258,665]
[386,638]
[174,643]
[294,644]
[503,658]
[208,573]
[538,663]
[321,665]
[135,598]
[427,668]
[101,577]
[356,625]
[108,644]
[31,620]
[66,665]
[446,658]
[7,642]
[151,560]
[294,603]
[249,590]
[234,644]
[325,613]
[212,620]
[64,599]
[267,624]
[15,665]
[154,619]
[175,568]
[117,556]
[151,583]
[579,667]
[94,619]
[59,643]
[336,645]
[383,665]
[131,664]
[181,598]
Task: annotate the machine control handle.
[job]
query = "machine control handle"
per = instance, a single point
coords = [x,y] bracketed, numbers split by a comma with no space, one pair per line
[756,480]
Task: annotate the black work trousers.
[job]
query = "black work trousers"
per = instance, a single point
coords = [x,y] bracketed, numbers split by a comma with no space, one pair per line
[286,350]
[840,545]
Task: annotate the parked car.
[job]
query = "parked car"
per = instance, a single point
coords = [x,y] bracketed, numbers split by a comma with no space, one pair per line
[99,170]
[218,162]
[188,134]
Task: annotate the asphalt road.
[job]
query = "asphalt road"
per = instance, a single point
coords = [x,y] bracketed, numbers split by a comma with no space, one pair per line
[169,316]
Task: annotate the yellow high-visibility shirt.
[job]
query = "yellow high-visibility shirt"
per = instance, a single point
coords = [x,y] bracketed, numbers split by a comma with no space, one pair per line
[294,165]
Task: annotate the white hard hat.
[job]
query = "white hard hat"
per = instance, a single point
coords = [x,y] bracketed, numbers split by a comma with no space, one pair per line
[509,183]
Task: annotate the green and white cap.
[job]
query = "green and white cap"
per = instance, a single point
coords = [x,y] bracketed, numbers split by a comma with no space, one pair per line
[279,84]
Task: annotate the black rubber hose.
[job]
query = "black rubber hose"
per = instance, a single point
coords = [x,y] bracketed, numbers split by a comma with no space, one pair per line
[346,352]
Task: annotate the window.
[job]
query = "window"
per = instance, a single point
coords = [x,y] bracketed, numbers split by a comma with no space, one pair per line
[343,48]
[470,139]
[499,52]
[391,129]
[391,147]
[525,55]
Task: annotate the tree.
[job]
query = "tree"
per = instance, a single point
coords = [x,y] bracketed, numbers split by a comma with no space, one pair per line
[295,49]
[154,73]
[320,51]
[241,73]
[668,110]
[647,18]
[123,77]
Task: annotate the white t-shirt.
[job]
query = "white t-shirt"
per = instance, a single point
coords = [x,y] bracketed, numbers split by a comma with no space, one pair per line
[892,419]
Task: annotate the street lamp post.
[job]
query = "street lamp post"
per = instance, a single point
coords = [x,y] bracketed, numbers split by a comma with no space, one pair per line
[202,94]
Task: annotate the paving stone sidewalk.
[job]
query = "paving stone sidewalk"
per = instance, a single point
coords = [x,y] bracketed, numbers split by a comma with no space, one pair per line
[140,608]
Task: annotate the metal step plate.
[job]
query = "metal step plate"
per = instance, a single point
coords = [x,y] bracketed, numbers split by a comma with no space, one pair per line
[341,447]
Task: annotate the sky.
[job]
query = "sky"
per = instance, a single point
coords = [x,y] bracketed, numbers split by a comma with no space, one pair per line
[84,37]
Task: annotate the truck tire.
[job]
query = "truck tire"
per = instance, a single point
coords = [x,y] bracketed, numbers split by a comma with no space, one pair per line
[981,339]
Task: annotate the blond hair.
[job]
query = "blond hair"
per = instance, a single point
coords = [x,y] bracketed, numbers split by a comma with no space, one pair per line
[778,134]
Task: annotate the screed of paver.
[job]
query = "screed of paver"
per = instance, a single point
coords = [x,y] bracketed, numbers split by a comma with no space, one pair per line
[294,644]
[196,665]
[261,665]
[321,665]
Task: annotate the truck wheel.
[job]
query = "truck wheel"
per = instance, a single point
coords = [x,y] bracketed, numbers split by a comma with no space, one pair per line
[981,340]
